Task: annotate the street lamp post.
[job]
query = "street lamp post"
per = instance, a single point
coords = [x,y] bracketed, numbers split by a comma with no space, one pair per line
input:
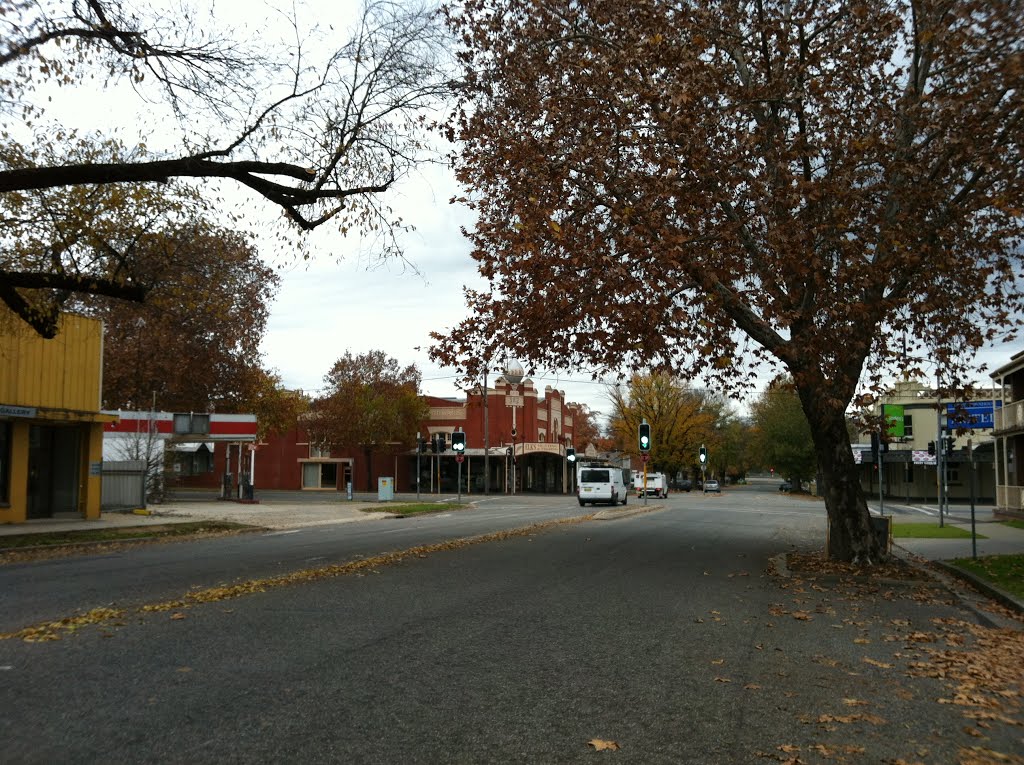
[514,376]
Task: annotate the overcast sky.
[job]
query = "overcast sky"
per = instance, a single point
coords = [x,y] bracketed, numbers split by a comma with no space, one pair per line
[326,308]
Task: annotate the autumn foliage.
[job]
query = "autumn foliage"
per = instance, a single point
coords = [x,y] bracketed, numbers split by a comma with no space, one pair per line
[712,187]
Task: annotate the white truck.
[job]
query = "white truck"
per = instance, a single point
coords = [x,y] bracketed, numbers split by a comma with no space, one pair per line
[657,484]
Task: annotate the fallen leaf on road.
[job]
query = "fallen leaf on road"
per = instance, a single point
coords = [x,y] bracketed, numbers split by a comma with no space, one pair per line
[882,664]
[718,661]
[601,745]
[178,616]
[722,680]
[979,755]
[846,719]
[855,703]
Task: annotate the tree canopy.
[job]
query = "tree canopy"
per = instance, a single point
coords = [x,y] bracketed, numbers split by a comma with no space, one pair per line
[194,344]
[369,400]
[832,188]
[682,419]
[319,128]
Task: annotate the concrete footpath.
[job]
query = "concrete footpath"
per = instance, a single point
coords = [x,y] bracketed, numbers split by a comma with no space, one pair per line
[276,514]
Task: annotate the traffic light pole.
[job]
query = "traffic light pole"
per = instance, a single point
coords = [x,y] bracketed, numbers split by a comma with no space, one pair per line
[940,465]
[419,449]
[881,497]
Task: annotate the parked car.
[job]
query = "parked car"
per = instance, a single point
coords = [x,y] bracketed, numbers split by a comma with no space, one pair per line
[711,486]
[683,484]
[786,486]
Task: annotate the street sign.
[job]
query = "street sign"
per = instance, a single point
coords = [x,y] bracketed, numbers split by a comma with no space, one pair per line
[645,457]
[459,458]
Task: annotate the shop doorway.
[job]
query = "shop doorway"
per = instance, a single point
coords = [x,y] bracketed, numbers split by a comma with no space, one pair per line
[54,471]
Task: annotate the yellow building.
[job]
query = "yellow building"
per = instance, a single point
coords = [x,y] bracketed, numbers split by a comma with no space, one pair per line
[51,429]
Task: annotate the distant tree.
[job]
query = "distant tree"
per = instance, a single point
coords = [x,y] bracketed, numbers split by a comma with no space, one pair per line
[782,435]
[277,408]
[584,427]
[370,403]
[321,132]
[732,457]
[713,186]
[681,419]
[194,344]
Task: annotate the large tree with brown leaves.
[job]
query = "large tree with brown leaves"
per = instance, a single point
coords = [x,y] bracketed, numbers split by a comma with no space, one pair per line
[707,187]
[371,403]
[194,344]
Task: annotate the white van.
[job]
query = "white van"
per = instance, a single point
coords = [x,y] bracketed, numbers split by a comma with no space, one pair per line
[602,483]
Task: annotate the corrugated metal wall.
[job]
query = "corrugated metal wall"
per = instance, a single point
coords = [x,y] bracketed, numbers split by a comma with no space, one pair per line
[63,373]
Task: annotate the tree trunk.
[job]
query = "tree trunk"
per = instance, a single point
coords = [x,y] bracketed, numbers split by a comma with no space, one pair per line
[850,536]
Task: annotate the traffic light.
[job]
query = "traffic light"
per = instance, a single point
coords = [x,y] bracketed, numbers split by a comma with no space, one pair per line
[703,455]
[874,447]
[570,454]
[949,444]
[442,442]
[459,442]
[645,437]
[931,448]
[433,443]
[422,445]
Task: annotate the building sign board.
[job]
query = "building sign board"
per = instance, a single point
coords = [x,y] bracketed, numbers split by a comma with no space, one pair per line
[529,448]
[972,415]
[17,411]
[893,414]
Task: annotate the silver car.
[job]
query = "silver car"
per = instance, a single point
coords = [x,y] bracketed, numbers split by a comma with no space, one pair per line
[711,486]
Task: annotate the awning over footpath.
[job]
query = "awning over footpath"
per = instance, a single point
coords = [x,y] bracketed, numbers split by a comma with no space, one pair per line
[193,446]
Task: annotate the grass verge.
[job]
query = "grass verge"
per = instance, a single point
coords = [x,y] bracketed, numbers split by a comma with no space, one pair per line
[416,508]
[1004,571]
[124,534]
[930,531]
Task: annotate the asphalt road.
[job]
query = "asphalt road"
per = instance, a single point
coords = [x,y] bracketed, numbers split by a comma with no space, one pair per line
[661,632]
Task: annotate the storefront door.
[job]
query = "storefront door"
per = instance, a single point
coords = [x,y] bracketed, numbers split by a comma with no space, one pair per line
[54,467]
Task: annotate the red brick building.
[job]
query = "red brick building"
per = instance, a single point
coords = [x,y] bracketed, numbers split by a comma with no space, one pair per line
[538,429]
